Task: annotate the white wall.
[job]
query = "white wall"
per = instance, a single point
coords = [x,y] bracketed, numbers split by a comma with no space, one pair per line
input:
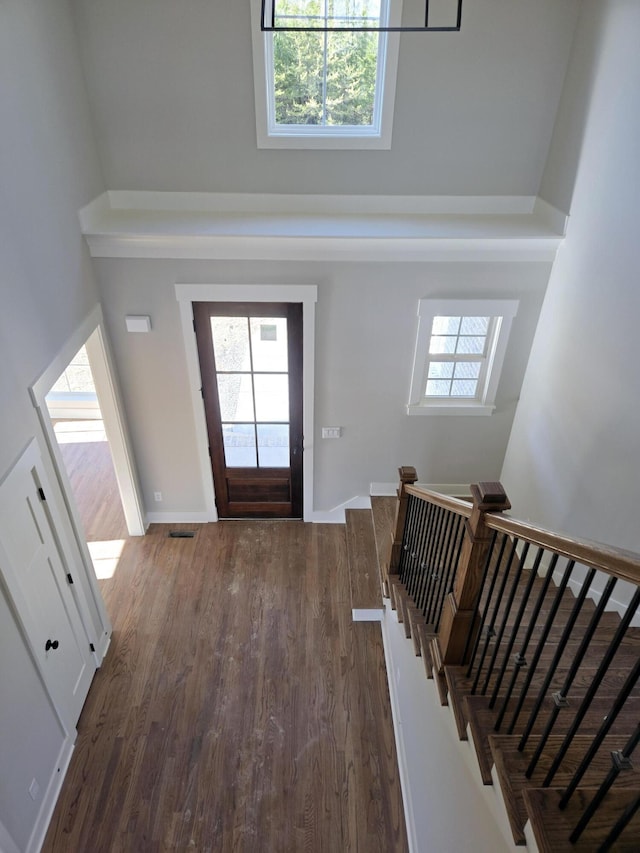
[447,810]
[366,321]
[171,85]
[48,169]
[572,461]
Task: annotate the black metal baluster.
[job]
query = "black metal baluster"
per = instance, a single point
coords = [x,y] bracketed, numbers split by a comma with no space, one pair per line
[620,825]
[425,531]
[560,697]
[541,644]
[506,613]
[421,567]
[520,660]
[436,566]
[489,598]
[476,608]
[518,620]
[424,543]
[620,762]
[433,611]
[428,560]
[407,535]
[453,557]
[506,610]
[419,533]
[604,729]
[605,663]
[564,639]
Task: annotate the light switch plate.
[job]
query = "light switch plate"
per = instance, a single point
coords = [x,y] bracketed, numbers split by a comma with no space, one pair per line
[331,432]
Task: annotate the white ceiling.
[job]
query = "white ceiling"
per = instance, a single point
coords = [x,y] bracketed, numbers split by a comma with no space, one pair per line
[171,89]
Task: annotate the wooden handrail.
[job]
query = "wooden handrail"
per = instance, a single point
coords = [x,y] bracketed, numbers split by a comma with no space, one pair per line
[621,564]
[456,505]
[482,517]
[624,565]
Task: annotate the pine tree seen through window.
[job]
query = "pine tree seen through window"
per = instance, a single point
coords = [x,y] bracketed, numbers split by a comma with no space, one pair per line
[326,79]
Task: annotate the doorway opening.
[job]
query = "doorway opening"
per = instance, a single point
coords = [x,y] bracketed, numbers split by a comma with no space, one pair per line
[89,334]
[81,437]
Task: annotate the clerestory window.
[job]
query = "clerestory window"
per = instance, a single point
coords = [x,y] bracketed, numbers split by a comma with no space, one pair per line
[325,89]
[459,354]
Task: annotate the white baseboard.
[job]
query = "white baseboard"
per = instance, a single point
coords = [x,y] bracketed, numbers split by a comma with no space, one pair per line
[400,740]
[102,649]
[613,605]
[337,514]
[51,795]
[177,518]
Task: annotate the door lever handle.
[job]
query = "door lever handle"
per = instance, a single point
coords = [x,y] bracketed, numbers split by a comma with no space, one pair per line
[51,644]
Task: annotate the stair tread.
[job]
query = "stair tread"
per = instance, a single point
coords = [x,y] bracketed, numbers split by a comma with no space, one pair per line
[511,767]
[363,560]
[475,712]
[483,718]
[613,680]
[552,827]
[526,800]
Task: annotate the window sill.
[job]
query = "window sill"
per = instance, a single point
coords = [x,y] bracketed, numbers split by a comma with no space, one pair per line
[447,408]
[324,141]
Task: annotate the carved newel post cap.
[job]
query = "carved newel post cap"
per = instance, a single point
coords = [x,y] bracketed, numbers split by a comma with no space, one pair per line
[490,496]
[408,474]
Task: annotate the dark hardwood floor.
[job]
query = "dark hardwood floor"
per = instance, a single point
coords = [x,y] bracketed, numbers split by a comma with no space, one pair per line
[239,708]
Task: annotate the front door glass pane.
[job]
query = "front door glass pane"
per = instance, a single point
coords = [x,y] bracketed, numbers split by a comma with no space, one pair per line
[231,343]
[236,396]
[273,445]
[272,396]
[239,445]
[269,344]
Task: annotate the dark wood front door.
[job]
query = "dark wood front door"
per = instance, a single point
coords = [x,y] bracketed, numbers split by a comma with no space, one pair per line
[251,368]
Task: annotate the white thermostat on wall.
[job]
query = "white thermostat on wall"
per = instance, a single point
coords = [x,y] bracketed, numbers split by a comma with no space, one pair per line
[138,323]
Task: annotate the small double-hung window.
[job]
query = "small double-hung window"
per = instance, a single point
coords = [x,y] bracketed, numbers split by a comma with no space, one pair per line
[459,354]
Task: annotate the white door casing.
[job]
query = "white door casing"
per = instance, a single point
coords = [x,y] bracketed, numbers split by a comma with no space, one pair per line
[186,294]
[35,576]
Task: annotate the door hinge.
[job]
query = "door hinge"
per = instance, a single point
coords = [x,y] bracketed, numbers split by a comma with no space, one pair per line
[202,393]
[92,647]
[194,324]
[69,578]
[209,449]
[42,494]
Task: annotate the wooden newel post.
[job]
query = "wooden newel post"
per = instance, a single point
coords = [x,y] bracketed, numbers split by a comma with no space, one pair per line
[458,614]
[408,477]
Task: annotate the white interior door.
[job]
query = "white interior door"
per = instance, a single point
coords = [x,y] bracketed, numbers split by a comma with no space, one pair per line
[37,581]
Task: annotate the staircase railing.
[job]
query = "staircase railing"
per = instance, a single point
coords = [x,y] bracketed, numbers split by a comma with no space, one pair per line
[527,612]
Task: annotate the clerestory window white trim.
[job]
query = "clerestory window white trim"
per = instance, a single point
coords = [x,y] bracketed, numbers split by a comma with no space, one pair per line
[487,355]
[376,136]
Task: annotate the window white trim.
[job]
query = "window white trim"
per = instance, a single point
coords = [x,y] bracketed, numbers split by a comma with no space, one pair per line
[319,137]
[503,311]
